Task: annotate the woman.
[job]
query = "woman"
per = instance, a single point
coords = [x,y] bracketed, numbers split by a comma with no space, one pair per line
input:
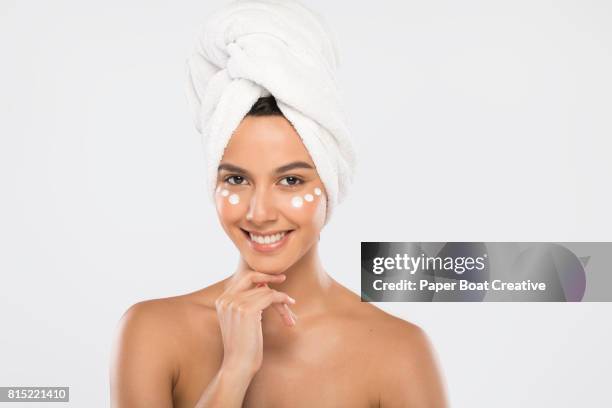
[279,331]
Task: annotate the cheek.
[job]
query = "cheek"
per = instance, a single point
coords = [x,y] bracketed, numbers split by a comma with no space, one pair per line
[230,205]
[307,207]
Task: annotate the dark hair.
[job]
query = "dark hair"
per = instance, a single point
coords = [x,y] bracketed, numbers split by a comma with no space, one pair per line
[265,106]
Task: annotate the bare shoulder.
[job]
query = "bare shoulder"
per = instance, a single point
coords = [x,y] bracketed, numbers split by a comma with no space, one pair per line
[386,327]
[406,364]
[148,321]
[143,370]
[397,332]
[169,321]
[409,371]
[147,349]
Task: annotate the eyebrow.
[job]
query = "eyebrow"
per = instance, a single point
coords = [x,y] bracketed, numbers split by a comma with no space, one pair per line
[282,169]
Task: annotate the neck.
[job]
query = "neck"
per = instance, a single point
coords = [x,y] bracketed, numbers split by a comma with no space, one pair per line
[307,282]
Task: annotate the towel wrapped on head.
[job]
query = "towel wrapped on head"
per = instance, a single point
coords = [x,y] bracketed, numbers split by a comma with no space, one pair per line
[255,48]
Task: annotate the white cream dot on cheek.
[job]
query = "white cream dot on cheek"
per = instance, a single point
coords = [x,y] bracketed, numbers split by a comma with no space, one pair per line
[224,193]
[317,191]
[308,197]
[234,199]
[297,202]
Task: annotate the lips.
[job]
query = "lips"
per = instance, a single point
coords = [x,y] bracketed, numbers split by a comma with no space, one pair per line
[257,241]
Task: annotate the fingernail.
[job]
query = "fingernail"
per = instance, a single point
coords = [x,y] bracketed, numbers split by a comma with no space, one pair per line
[291,299]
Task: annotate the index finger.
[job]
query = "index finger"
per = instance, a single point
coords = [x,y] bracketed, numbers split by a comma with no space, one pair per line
[246,281]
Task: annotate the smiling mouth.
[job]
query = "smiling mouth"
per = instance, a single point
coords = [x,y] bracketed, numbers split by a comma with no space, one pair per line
[267,242]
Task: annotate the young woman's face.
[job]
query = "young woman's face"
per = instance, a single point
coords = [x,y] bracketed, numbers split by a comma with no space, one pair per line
[267,186]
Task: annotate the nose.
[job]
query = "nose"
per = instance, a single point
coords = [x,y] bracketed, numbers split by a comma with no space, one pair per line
[262,208]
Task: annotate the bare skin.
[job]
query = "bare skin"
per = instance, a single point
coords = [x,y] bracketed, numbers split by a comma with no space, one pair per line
[235,341]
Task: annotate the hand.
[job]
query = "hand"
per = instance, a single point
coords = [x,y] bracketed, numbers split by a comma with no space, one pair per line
[239,309]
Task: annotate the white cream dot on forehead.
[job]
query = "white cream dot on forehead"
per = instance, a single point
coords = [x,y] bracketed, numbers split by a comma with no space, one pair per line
[224,193]
[317,191]
[234,199]
[297,201]
[308,197]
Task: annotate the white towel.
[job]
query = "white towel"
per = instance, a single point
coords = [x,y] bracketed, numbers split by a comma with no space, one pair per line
[254,48]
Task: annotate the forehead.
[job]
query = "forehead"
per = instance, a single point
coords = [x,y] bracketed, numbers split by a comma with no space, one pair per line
[269,141]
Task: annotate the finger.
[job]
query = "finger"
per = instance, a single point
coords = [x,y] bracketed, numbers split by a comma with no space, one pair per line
[251,299]
[252,296]
[293,315]
[241,298]
[247,296]
[285,313]
[273,297]
[246,281]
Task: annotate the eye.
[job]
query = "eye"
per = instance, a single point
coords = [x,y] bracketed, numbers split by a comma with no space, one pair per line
[292,181]
[239,180]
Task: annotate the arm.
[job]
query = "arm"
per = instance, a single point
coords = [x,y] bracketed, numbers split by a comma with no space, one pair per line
[414,379]
[226,390]
[141,371]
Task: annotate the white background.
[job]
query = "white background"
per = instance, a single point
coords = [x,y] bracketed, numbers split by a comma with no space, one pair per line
[474,120]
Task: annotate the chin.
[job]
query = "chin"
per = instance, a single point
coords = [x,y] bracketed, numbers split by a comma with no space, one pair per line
[269,266]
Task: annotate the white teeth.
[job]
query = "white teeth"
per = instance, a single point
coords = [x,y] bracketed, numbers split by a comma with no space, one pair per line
[267,239]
